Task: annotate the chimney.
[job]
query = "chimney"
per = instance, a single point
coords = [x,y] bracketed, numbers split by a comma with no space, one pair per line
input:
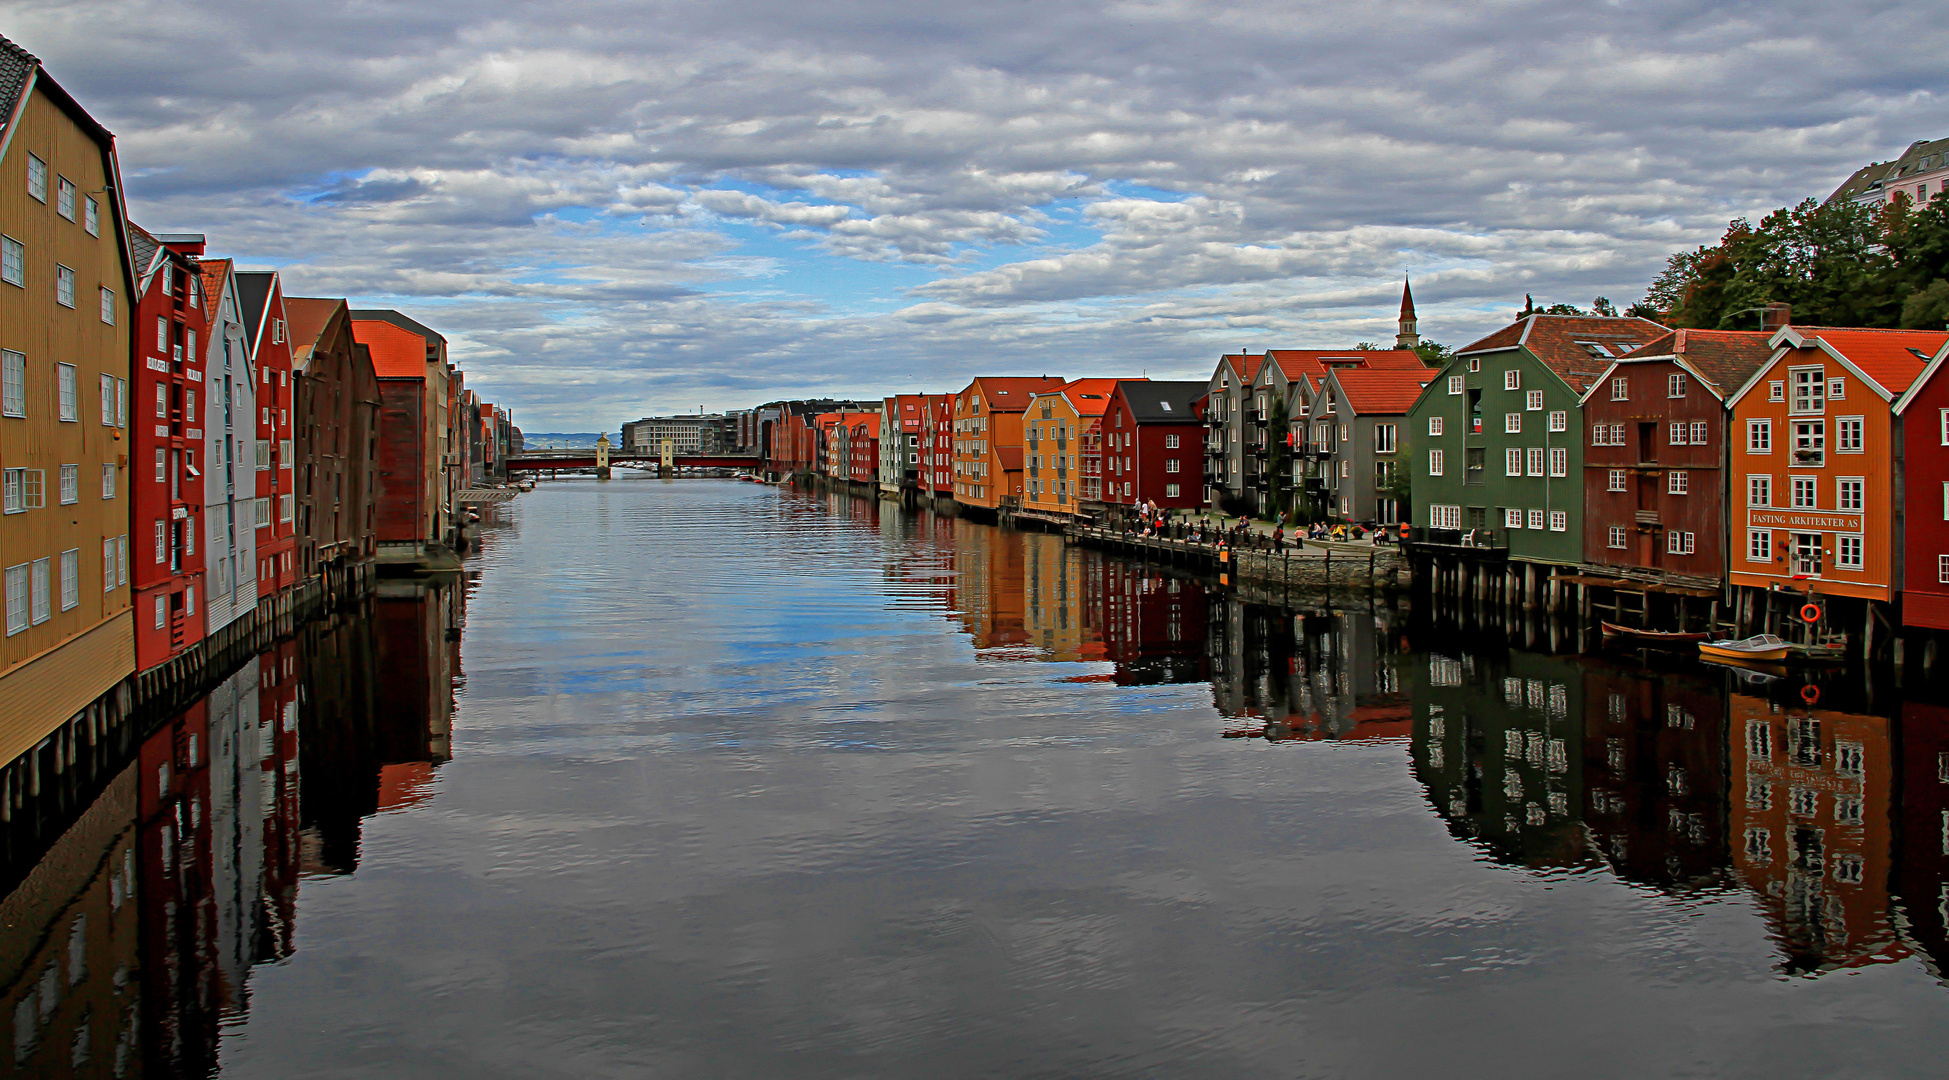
[1774,316]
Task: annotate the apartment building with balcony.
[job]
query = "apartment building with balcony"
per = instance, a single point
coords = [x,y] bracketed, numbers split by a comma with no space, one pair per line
[1355,444]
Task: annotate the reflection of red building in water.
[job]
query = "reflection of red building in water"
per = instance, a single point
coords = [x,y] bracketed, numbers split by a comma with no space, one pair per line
[1922,859]
[276,757]
[1654,774]
[180,1000]
[1152,625]
[1809,824]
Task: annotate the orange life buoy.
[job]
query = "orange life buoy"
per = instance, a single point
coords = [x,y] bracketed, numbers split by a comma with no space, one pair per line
[1810,613]
[1810,693]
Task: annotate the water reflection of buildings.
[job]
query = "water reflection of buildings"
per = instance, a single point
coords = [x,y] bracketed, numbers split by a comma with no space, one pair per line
[1327,675]
[129,939]
[1811,823]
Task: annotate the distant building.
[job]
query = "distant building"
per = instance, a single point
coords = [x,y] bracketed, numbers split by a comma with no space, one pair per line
[712,433]
[1921,173]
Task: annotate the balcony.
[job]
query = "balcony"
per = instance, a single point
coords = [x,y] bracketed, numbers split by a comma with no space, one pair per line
[1648,517]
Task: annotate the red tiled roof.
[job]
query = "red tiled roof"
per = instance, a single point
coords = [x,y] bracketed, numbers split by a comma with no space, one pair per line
[305,318]
[1011,458]
[397,353]
[1725,358]
[213,272]
[1098,399]
[870,421]
[1243,365]
[1012,393]
[1372,392]
[1882,355]
[1310,364]
[1556,341]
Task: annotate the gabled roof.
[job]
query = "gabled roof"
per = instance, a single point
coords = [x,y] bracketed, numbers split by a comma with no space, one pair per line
[1010,457]
[16,71]
[869,421]
[397,352]
[305,318]
[1011,393]
[1370,393]
[254,288]
[1162,402]
[401,321]
[1244,366]
[1089,397]
[1722,359]
[1578,348]
[1310,364]
[143,249]
[213,271]
[1868,175]
[1887,358]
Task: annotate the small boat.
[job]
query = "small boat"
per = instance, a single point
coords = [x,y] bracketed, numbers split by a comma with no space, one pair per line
[1651,637]
[1767,647]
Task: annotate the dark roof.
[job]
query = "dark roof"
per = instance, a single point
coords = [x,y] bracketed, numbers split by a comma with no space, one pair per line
[1577,347]
[16,67]
[253,292]
[1154,402]
[1725,358]
[1875,173]
[142,250]
[388,315]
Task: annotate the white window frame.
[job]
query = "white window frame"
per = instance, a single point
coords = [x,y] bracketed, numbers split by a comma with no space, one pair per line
[1618,480]
[1675,385]
[1677,482]
[1434,426]
[1844,426]
[1444,517]
[1942,569]
[1533,401]
[1435,462]
[1512,423]
[1533,461]
[13,261]
[91,215]
[1455,385]
[70,579]
[1855,486]
[69,485]
[17,591]
[13,383]
[1620,388]
[1559,420]
[1536,520]
[1680,432]
[1759,435]
[1512,517]
[1384,438]
[1512,379]
[1810,485]
[1616,537]
[1559,461]
[64,285]
[1850,551]
[1759,545]
[1759,489]
[1512,461]
[1808,394]
[36,178]
[1776,390]
[67,393]
[108,306]
[108,480]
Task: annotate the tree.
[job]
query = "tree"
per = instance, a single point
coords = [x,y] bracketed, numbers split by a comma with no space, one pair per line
[1434,354]
[1282,455]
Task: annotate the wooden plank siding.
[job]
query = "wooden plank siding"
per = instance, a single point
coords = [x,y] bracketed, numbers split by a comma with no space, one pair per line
[57,665]
[1673,482]
[1924,414]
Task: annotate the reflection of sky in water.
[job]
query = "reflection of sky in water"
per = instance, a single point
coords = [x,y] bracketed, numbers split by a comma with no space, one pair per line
[731,796]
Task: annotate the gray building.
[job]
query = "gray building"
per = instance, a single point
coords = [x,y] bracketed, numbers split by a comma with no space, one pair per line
[712,433]
[1225,427]
[1357,440]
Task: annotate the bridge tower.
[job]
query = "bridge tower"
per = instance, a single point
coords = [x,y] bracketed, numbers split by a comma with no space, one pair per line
[602,457]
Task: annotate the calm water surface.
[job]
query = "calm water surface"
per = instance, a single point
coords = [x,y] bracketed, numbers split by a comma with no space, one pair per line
[702,779]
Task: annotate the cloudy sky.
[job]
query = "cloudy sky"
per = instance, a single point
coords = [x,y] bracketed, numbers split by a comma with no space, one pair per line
[618,209]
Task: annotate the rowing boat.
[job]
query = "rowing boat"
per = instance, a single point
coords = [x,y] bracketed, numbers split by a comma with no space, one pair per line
[1757,647]
[1651,637]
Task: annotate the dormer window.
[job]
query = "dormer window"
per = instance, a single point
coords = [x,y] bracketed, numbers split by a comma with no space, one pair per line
[1597,348]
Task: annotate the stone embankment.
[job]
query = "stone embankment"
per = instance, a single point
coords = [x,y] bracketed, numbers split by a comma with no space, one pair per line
[1307,567]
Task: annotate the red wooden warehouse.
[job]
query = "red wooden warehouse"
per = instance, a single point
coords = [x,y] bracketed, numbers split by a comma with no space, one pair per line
[1153,444]
[1923,413]
[1655,470]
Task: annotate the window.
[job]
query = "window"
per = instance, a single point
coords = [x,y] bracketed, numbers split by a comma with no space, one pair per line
[1759,491]
[1512,462]
[1837,389]
[70,578]
[1170,491]
[70,484]
[1559,420]
[22,489]
[1444,517]
[1512,423]
[1512,379]
[1534,401]
[69,393]
[1759,435]
[1848,552]
[1512,518]
[162,610]
[162,543]
[108,306]
[1475,363]
[1810,442]
[36,178]
[162,470]
[40,586]
[1809,390]
[63,286]
[1617,481]
[1678,543]
[1170,465]
[1434,426]
[263,508]
[1536,519]
[1455,384]
[162,339]
[1776,391]
[108,565]
[91,215]
[108,481]
[122,559]
[1679,433]
[108,400]
[1620,389]
[1675,385]
[264,454]
[1942,569]
[16,599]
[1759,545]
[1676,482]
[64,197]
[1170,442]
[1559,461]
[1534,455]
[189,407]
[1383,438]
[1848,434]
[1849,493]
[1616,536]
[13,262]
[1805,494]
[1434,464]
[13,383]
[1699,433]
[1346,467]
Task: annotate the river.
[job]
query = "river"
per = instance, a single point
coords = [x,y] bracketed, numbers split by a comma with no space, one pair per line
[700,779]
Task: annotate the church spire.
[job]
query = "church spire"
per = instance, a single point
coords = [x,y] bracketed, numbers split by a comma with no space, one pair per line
[1407,338]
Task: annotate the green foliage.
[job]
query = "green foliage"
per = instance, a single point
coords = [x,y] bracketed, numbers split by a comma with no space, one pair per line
[1434,354]
[1282,454]
[1839,264]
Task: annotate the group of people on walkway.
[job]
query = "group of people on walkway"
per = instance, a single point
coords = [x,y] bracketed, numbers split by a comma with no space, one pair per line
[1148,520]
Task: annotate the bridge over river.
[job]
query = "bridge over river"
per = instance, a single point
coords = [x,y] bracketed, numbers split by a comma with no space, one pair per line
[551,460]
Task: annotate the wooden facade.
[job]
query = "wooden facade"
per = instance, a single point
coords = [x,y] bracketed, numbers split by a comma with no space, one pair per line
[988,438]
[1152,437]
[57,657]
[1655,455]
[1814,462]
[1923,421]
[1058,424]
